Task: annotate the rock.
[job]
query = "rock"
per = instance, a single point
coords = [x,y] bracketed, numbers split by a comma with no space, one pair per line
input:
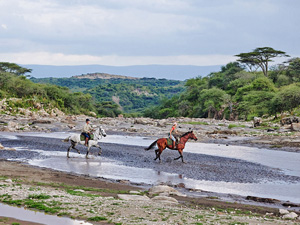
[135,192]
[295,126]
[143,121]
[290,215]
[41,121]
[124,181]
[283,211]
[93,114]
[165,199]
[8,181]
[289,204]
[133,197]
[164,189]
[289,120]
[79,190]
[12,125]
[132,129]
[257,121]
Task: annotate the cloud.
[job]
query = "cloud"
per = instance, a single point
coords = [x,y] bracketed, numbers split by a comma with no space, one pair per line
[144,30]
[4,26]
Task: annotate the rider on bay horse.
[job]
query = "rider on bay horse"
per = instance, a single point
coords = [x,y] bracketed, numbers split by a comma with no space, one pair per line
[171,135]
[86,131]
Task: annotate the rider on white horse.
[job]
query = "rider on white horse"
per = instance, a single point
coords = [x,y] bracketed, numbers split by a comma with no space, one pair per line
[86,131]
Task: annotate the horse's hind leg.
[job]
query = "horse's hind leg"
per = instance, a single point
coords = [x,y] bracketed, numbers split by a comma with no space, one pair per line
[73,144]
[158,153]
[74,147]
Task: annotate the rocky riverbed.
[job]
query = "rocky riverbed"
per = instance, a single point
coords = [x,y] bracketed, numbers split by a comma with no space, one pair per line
[192,210]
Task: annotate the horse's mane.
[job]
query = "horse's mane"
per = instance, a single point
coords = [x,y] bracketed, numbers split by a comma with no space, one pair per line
[186,133]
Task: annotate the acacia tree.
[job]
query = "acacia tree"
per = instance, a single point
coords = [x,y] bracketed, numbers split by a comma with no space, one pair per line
[260,57]
[14,68]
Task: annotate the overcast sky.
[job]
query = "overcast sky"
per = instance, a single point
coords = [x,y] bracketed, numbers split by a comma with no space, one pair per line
[142,32]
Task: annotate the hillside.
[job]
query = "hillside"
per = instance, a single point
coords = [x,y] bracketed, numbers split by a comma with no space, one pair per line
[93,76]
[18,95]
[132,95]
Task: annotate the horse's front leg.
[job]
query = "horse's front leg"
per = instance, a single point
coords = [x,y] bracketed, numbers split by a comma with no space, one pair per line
[69,151]
[87,153]
[100,150]
[181,155]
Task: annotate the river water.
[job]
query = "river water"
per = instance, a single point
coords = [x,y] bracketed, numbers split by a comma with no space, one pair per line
[287,162]
[37,217]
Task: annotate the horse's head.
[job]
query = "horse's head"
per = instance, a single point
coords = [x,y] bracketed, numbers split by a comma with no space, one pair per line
[102,131]
[193,136]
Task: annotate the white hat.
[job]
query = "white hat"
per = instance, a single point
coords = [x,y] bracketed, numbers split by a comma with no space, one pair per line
[175,124]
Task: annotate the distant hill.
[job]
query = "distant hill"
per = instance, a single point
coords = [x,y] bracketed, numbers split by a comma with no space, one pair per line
[94,76]
[171,72]
[132,95]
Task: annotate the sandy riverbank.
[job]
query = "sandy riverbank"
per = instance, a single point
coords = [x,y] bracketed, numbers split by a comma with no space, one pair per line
[96,197]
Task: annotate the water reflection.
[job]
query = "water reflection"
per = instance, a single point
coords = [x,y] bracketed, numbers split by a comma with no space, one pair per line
[37,217]
[114,170]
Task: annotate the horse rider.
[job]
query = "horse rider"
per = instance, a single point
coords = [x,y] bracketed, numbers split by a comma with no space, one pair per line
[86,131]
[171,135]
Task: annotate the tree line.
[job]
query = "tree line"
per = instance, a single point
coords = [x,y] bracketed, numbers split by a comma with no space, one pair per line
[243,89]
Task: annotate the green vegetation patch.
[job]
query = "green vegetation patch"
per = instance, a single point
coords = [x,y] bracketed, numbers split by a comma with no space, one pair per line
[230,126]
[97,218]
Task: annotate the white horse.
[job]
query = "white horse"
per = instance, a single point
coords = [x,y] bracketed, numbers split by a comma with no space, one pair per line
[75,140]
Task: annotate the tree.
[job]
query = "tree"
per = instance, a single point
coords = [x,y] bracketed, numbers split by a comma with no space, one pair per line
[13,68]
[260,57]
[293,69]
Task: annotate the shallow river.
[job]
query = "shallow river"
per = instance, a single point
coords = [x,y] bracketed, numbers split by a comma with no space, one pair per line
[287,162]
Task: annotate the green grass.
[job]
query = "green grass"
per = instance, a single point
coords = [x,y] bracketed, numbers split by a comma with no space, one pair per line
[78,193]
[39,196]
[97,218]
[230,126]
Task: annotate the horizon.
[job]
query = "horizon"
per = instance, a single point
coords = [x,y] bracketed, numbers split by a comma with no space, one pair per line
[171,72]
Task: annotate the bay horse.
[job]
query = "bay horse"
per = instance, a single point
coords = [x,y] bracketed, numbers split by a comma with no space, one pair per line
[75,140]
[162,144]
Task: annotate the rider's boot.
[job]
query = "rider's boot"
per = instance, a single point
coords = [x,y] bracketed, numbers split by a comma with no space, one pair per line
[173,146]
[86,141]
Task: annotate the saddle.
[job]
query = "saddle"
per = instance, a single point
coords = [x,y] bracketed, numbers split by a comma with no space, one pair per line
[82,137]
[170,142]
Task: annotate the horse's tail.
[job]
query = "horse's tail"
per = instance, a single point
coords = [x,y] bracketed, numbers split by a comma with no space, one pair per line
[151,146]
[66,139]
